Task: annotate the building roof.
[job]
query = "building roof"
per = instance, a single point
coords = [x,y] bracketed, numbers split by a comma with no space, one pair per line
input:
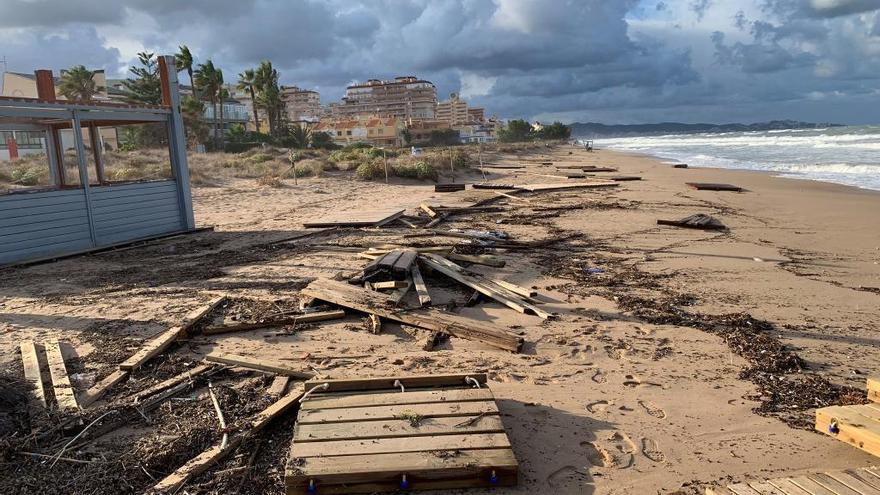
[397,81]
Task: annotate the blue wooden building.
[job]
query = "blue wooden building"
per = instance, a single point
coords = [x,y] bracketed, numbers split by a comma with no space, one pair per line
[91,212]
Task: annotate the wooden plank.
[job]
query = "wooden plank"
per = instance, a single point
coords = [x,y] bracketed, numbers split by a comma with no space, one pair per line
[391,284]
[742,489]
[99,389]
[349,296]
[385,413]
[187,375]
[387,382]
[567,185]
[278,386]
[833,485]
[420,286]
[516,289]
[855,429]
[257,364]
[811,486]
[404,262]
[853,482]
[357,218]
[382,472]
[874,389]
[375,324]
[436,220]
[485,287]
[396,428]
[710,186]
[427,209]
[718,490]
[306,318]
[33,375]
[432,340]
[865,475]
[398,294]
[478,259]
[64,394]
[788,487]
[160,343]
[765,488]
[400,445]
[198,465]
[337,401]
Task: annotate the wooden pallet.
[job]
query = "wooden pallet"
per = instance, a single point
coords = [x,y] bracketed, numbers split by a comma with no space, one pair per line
[710,186]
[856,425]
[865,481]
[368,435]
[356,218]
[449,187]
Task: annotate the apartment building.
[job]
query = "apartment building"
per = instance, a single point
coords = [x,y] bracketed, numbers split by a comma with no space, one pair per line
[477,115]
[302,105]
[375,130]
[407,98]
[454,111]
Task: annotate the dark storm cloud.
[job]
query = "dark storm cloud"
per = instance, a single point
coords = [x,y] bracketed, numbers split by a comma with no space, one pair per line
[571,58]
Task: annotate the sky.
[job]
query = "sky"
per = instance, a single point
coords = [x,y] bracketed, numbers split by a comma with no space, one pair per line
[610,61]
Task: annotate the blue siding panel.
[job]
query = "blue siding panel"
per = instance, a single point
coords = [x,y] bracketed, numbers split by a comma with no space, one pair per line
[42,224]
[133,211]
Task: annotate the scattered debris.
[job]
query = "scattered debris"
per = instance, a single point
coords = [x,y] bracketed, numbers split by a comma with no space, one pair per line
[449,187]
[358,218]
[709,186]
[698,221]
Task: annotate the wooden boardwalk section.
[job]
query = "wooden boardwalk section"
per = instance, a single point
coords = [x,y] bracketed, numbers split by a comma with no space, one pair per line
[864,481]
[859,425]
[435,432]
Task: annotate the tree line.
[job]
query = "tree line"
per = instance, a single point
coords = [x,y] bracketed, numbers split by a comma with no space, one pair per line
[520,130]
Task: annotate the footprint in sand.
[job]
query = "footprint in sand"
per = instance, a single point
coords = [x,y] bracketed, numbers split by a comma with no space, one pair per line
[651,450]
[599,377]
[598,406]
[631,381]
[622,449]
[597,455]
[653,409]
[566,475]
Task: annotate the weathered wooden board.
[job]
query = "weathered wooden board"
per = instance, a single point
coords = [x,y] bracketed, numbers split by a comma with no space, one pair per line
[699,221]
[259,364]
[357,218]
[874,389]
[846,482]
[65,397]
[856,425]
[711,186]
[160,343]
[371,436]
[346,295]
[306,318]
[566,185]
[33,376]
[99,389]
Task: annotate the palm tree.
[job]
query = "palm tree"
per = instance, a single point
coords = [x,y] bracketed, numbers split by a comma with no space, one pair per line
[247,82]
[209,80]
[222,96]
[78,83]
[300,136]
[184,61]
[266,82]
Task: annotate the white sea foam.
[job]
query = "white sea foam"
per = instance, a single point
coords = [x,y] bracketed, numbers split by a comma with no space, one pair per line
[844,155]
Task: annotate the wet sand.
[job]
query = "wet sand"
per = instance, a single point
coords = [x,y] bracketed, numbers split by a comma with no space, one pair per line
[600,401]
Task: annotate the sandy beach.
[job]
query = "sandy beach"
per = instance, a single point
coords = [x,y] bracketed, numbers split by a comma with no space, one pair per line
[639,387]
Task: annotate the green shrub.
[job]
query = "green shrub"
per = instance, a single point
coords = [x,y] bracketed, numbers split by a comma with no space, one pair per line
[308,168]
[370,170]
[419,170]
[260,158]
[30,175]
[270,180]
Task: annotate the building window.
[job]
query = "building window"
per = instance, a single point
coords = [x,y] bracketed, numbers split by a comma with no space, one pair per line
[338,133]
[348,133]
[380,131]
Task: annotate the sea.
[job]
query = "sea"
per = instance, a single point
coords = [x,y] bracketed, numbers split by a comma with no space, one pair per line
[843,155]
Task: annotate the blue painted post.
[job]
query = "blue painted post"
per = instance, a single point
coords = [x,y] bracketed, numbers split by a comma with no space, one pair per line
[177,139]
[83,172]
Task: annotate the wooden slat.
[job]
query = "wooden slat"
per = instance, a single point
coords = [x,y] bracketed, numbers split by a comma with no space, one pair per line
[396,428]
[346,295]
[420,286]
[516,289]
[865,475]
[64,394]
[812,486]
[99,389]
[400,445]
[788,487]
[742,489]
[765,488]
[874,389]
[478,259]
[853,482]
[171,382]
[257,364]
[337,401]
[385,413]
[306,318]
[33,375]
[278,386]
[198,465]
[357,218]
[718,490]
[382,472]
[833,485]
[855,429]
[387,382]
[160,343]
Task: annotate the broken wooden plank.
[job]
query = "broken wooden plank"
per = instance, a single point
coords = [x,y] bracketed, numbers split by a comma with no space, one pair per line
[278,386]
[516,289]
[431,341]
[419,283]
[166,338]
[427,209]
[388,382]
[375,324]
[346,295]
[34,376]
[357,218]
[99,389]
[480,259]
[484,286]
[198,465]
[257,364]
[436,221]
[391,284]
[711,186]
[305,318]
[186,376]
[64,394]
[397,296]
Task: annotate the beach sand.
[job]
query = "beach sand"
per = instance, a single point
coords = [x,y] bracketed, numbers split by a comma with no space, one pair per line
[600,401]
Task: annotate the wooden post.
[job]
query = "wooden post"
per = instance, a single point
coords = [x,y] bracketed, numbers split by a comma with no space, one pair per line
[97,152]
[76,127]
[164,81]
[56,157]
[480,155]
[452,164]
[385,161]
[177,143]
[45,85]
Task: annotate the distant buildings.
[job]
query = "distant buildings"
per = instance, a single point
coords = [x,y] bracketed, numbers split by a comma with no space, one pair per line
[407,98]
[454,111]
[302,105]
[371,129]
